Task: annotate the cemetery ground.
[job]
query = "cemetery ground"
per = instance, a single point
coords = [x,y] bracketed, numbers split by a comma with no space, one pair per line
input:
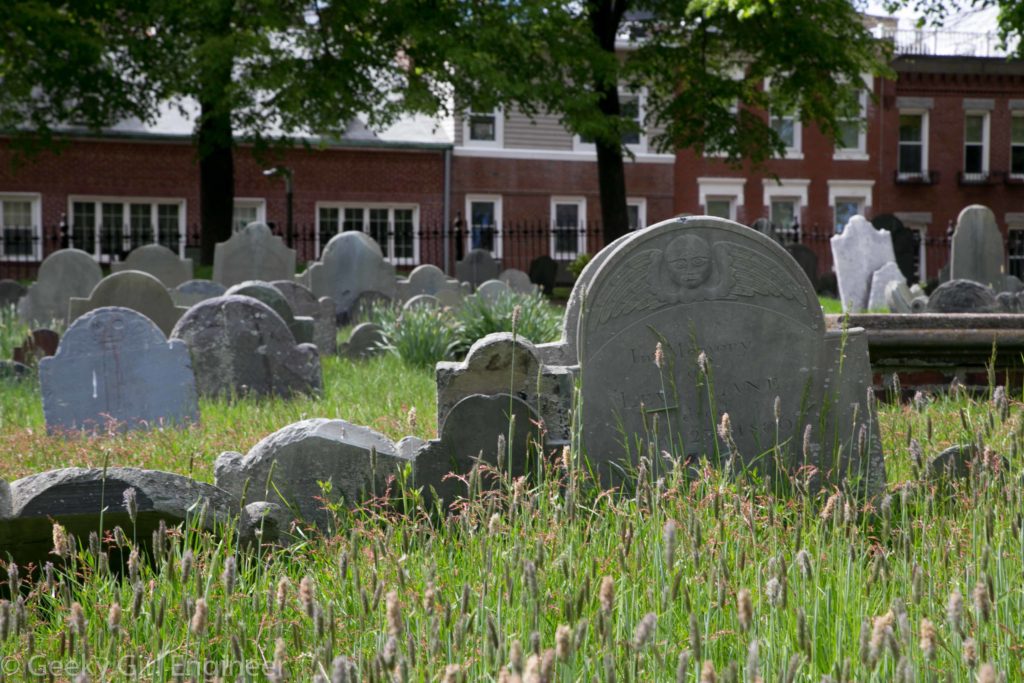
[683,577]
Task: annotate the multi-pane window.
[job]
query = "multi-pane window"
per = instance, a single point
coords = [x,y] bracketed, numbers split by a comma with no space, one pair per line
[846,208]
[975,158]
[911,144]
[393,228]
[1017,146]
[636,212]
[1015,251]
[483,128]
[247,211]
[110,228]
[785,127]
[21,235]
[718,206]
[629,106]
[484,214]
[568,221]
[785,217]
[852,138]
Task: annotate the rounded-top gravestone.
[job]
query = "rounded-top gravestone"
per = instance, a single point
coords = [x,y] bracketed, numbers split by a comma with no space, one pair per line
[254,253]
[158,261]
[135,290]
[192,292]
[351,264]
[963,296]
[63,274]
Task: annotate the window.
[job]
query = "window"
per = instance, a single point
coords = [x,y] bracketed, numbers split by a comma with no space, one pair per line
[719,206]
[632,107]
[1017,146]
[483,223]
[248,211]
[1015,252]
[568,225]
[853,132]
[636,209]
[721,197]
[847,199]
[109,228]
[913,149]
[20,227]
[845,209]
[975,146]
[483,129]
[395,228]
[784,200]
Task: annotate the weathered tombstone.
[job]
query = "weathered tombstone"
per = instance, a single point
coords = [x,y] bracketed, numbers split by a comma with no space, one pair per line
[492,290]
[301,327]
[477,267]
[517,281]
[858,252]
[977,253]
[880,279]
[944,273]
[62,275]
[356,461]
[367,304]
[253,253]
[241,346]
[766,228]
[904,243]
[675,329]
[963,296]
[428,279]
[11,292]
[38,345]
[807,259]
[365,341]
[544,272]
[115,369]
[304,303]
[190,293]
[451,299]
[131,289]
[422,300]
[158,261]
[1011,283]
[1009,302]
[351,264]
[899,298]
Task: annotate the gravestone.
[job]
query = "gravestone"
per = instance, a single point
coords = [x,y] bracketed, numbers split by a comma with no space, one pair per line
[451,299]
[366,304]
[351,264]
[492,291]
[190,293]
[304,303]
[963,296]
[253,253]
[301,328]
[38,345]
[766,228]
[355,460]
[517,281]
[428,279]
[858,252]
[114,368]
[807,259]
[422,300]
[365,341]
[880,279]
[721,299]
[904,243]
[158,261]
[239,345]
[544,272]
[977,253]
[899,298]
[477,267]
[11,292]
[135,290]
[62,275]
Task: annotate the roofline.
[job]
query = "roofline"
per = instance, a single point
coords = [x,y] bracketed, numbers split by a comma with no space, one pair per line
[957,64]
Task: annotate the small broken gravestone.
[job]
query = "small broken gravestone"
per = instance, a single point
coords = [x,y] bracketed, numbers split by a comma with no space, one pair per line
[11,292]
[62,275]
[963,296]
[477,267]
[131,289]
[905,243]
[351,264]
[899,298]
[239,346]
[158,261]
[38,345]
[977,253]
[301,327]
[253,253]
[190,293]
[858,252]
[880,279]
[115,369]
[365,341]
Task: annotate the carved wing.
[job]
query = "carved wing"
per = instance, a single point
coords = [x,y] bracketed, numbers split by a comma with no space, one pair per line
[752,274]
[630,288]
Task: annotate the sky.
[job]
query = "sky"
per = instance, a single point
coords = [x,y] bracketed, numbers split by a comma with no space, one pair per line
[982,21]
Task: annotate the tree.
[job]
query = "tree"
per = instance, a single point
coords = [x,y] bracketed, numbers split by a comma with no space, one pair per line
[703,65]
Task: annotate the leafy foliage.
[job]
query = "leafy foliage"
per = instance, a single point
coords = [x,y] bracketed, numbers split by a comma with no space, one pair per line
[535,319]
[421,336]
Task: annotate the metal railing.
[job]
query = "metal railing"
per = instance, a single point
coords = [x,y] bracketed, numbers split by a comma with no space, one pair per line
[941,42]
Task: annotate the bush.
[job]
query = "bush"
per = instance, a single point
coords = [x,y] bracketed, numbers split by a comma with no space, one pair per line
[538,321]
[578,264]
[420,336]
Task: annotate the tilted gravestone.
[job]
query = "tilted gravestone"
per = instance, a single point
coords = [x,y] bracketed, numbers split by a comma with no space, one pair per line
[880,279]
[62,275]
[158,261]
[11,292]
[38,345]
[253,253]
[517,281]
[239,345]
[305,303]
[301,328]
[963,296]
[477,267]
[858,252]
[351,264]
[192,292]
[135,290]
[904,243]
[366,340]
[115,369]
[720,300]
[977,253]
[899,298]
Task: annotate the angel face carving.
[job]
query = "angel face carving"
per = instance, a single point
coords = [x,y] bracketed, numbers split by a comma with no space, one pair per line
[689,261]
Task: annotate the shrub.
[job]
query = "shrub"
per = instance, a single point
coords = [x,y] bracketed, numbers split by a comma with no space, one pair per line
[420,336]
[538,321]
[578,264]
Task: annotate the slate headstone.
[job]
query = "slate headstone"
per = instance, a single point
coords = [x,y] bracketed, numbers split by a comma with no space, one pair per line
[253,253]
[11,292]
[63,274]
[366,306]
[365,341]
[963,296]
[517,281]
[115,369]
[428,279]
[544,272]
[905,243]
[977,253]
[38,345]
[135,290]
[422,300]
[192,292]
[880,279]
[492,291]
[857,253]
[477,267]
[301,328]
[304,303]
[239,345]
[351,264]
[158,261]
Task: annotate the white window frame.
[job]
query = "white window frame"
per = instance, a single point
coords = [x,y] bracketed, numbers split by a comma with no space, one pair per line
[578,145]
[35,201]
[125,202]
[389,248]
[796,151]
[581,202]
[498,235]
[259,203]
[721,188]
[641,210]
[986,120]
[794,189]
[1014,223]
[924,114]
[859,190]
[860,152]
[499,129]
[1014,116]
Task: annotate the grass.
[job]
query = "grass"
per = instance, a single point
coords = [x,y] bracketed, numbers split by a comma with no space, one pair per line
[548,579]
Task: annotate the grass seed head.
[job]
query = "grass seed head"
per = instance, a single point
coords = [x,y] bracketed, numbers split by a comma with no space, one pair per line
[707,672]
[394,614]
[928,639]
[515,657]
[228,576]
[987,674]
[61,545]
[532,672]
[563,642]
[78,620]
[186,566]
[200,617]
[606,594]
[114,618]
[683,666]
[645,631]
[955,611]
[131,503]
[306,595]
[970,653]
[745,609]
[982,602]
